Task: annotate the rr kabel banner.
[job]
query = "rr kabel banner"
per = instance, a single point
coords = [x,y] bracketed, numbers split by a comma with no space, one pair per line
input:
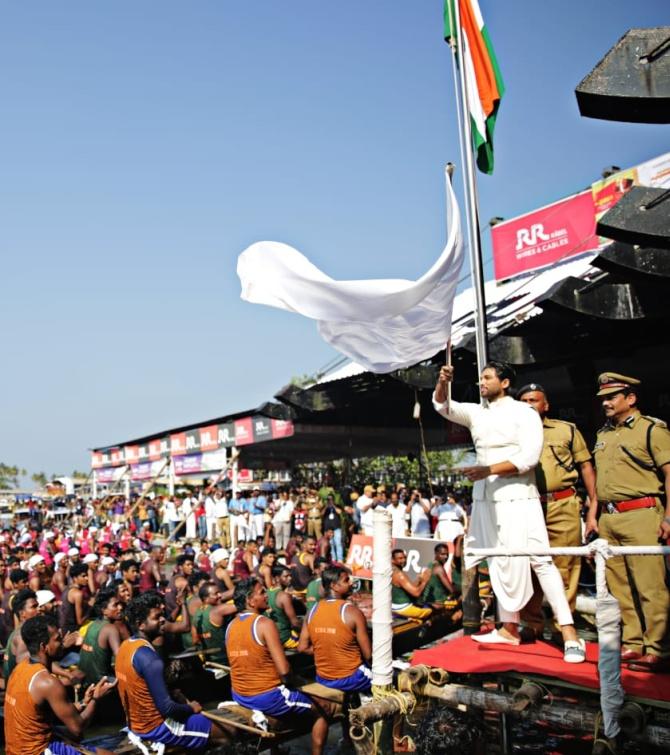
[555,232]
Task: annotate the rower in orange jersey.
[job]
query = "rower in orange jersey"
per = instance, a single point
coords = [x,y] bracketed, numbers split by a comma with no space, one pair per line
[260,673]
[337,633]
[35,696]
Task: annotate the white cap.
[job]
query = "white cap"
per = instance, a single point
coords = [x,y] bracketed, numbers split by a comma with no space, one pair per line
[44,597]
[34,560]
[92,529]
[59,557]
[90,558]
[48,535]
[107,561]
[25,538]
[73,552]
[220,554]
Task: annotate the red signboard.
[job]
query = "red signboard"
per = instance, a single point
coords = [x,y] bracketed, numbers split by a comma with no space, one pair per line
[244,433]
[359,556]
[132,454]
[282,428]
[540,238]
[178,444]
[209,438]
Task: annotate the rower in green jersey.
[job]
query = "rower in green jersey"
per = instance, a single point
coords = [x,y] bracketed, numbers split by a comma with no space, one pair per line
[404,592]
[440,591]
[211,620]
[102,639]
[314,590]
[192,605]
[281,609]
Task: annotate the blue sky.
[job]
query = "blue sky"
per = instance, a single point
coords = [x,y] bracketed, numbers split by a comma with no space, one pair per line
[143,146]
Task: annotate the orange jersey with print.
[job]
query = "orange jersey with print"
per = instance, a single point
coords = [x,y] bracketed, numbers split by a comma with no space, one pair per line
[27,729]
[252,669]
[141,712]
[336,650]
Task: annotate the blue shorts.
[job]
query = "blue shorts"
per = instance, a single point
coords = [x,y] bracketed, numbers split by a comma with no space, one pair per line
[60,748]
[359,681]
[279,701]
[193,734]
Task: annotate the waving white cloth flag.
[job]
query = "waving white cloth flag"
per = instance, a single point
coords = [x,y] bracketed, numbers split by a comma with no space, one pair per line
[383,324]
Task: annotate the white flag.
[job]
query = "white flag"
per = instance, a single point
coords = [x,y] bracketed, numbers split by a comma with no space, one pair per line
[383,324]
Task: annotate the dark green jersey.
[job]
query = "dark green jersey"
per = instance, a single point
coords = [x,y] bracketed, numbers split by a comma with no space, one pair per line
[434,591]
[400,597]
[9,659]
[94,660]
[313,594]
[211,635]
[186,637]
[278,615]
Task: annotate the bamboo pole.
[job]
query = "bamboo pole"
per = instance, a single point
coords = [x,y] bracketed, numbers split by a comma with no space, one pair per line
[129,513]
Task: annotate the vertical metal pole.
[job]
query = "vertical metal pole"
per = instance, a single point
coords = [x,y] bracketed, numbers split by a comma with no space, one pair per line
[94,484]
[235,471]
[171,477]
[474,246]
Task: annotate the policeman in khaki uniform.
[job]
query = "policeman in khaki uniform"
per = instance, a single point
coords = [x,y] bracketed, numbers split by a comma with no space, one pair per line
[632,455]
[564,457]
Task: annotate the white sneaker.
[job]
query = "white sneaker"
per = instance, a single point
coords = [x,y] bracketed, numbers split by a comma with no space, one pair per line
[574,651]
[495,638]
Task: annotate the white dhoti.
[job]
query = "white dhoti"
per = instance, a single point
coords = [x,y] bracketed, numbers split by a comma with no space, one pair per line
[516,525]
[448,530]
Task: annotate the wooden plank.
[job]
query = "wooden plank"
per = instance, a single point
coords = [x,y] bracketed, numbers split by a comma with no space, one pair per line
[320,690]
[239,718]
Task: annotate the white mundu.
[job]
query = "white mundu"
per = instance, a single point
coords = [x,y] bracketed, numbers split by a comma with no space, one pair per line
[506,511]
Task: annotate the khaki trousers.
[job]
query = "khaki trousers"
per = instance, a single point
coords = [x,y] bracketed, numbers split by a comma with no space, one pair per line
[314,526]
[223,530]
[564,528]
[638,582]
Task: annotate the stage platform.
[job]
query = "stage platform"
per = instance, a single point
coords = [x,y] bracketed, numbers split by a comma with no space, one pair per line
[539,659]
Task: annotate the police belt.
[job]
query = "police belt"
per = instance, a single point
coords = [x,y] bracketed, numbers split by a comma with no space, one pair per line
[558,495]
[620,507]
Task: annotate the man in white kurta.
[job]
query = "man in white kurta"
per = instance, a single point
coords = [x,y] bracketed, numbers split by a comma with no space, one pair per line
[506,511]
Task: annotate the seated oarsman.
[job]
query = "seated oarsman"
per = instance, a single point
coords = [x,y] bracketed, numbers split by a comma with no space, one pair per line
[75,607]
[282,611]
[314,591]
[25,607]
[192,605]
[302,565]
[178,582]
[34,697]
[440,591]
[264,569]
[260,673]
[130,574]
[210,621]
[40,575]
[170,638]
[404,592]
[102,639]
[337,633]
[106,573]
[18,580]
[220,558]
[151,713]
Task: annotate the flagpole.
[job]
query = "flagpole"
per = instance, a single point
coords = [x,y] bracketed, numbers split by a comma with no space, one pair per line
[474,245]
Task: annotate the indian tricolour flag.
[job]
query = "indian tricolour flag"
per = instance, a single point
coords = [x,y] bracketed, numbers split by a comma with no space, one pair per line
[484,83]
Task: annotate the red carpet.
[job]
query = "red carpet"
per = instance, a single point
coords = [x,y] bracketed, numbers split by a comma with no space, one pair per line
[465,656]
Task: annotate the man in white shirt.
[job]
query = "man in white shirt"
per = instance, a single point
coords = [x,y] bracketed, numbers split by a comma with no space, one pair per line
[419,508]
[506,510]
[281,520]
[398,513]
[210,516]
[366,505]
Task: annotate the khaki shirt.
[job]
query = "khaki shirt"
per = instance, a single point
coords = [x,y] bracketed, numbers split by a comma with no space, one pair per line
[625,468]
[563,450]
